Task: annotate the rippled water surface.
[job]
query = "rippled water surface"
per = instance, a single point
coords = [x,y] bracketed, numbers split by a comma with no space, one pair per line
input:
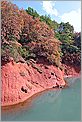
[51,105]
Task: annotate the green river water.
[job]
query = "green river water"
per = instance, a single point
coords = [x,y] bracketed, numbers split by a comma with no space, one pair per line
[51,105]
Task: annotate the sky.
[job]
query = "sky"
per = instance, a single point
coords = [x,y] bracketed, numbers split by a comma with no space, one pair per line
[60,11]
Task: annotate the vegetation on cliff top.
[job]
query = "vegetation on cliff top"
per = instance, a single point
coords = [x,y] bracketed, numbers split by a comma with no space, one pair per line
[26,34]
[71,41]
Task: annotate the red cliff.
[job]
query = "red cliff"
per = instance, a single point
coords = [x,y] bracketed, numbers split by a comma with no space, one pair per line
[20,81]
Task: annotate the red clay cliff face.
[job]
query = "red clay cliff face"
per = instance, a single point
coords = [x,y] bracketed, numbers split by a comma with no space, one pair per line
[20,81]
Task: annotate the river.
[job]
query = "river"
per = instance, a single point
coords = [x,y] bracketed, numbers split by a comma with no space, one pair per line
[51,105]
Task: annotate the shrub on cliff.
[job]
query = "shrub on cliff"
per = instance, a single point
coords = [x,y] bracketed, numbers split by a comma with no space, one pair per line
[9,51]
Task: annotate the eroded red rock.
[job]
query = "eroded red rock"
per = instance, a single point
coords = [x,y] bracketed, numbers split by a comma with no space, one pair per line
[20,81]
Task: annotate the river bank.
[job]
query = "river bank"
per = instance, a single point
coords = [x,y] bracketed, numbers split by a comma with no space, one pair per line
[21,81]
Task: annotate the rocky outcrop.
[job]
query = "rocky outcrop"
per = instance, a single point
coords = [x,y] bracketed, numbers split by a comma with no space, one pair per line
[20,81]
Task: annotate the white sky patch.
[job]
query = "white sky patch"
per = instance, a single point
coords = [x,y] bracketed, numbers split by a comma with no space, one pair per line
[74,18]
[49,7]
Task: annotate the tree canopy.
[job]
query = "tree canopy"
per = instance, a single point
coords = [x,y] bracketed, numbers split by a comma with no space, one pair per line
[37,35]
[26,35]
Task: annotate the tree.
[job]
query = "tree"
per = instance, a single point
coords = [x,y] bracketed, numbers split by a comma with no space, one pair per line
[71,43]
[11,22]
[48,21]
[48,49]
[32,12]
[65,28]
[77,40]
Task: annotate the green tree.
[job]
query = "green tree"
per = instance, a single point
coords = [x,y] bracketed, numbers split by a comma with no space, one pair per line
[77,40]
[32,12]
[48,21]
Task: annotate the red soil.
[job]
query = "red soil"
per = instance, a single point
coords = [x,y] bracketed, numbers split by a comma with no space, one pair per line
[20,81]
[18,78]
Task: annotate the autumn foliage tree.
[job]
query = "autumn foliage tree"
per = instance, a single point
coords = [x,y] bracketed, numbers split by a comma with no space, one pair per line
[34,37]
[48,49]
[11,21]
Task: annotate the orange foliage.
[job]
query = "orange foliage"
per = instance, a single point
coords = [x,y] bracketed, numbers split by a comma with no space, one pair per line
[17,25]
